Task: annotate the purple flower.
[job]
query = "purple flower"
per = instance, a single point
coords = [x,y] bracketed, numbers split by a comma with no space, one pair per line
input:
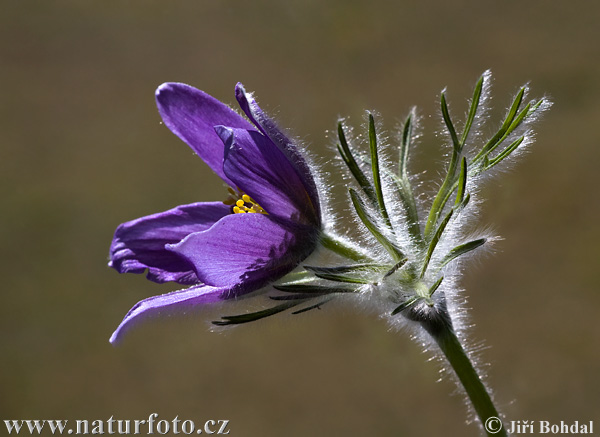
[223,249]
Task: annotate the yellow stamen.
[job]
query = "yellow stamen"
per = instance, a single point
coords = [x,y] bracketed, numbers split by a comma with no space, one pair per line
[242,203]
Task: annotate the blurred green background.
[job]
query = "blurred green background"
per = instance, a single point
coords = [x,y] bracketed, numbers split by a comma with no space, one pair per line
[82,150]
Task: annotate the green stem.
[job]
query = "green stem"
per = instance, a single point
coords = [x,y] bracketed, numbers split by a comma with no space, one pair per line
[446,338]
[339,246]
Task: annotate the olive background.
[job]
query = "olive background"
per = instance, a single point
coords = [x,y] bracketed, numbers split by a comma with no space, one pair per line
[82,149]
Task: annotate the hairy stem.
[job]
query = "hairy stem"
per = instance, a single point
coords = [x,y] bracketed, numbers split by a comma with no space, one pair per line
[445,336]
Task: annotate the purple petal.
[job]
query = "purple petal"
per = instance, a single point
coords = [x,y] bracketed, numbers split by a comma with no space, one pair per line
[140,244]
[246,249]
[269,128]
[191,114]
[260,169]
[201,294]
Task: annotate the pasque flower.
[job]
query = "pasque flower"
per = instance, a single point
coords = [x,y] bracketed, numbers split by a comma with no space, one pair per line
[403,259]
[223,250]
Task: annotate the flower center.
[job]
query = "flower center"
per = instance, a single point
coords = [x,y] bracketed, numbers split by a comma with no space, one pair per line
[242,203]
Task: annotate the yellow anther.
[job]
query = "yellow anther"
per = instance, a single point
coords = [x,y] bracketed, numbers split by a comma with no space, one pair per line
[242,203]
